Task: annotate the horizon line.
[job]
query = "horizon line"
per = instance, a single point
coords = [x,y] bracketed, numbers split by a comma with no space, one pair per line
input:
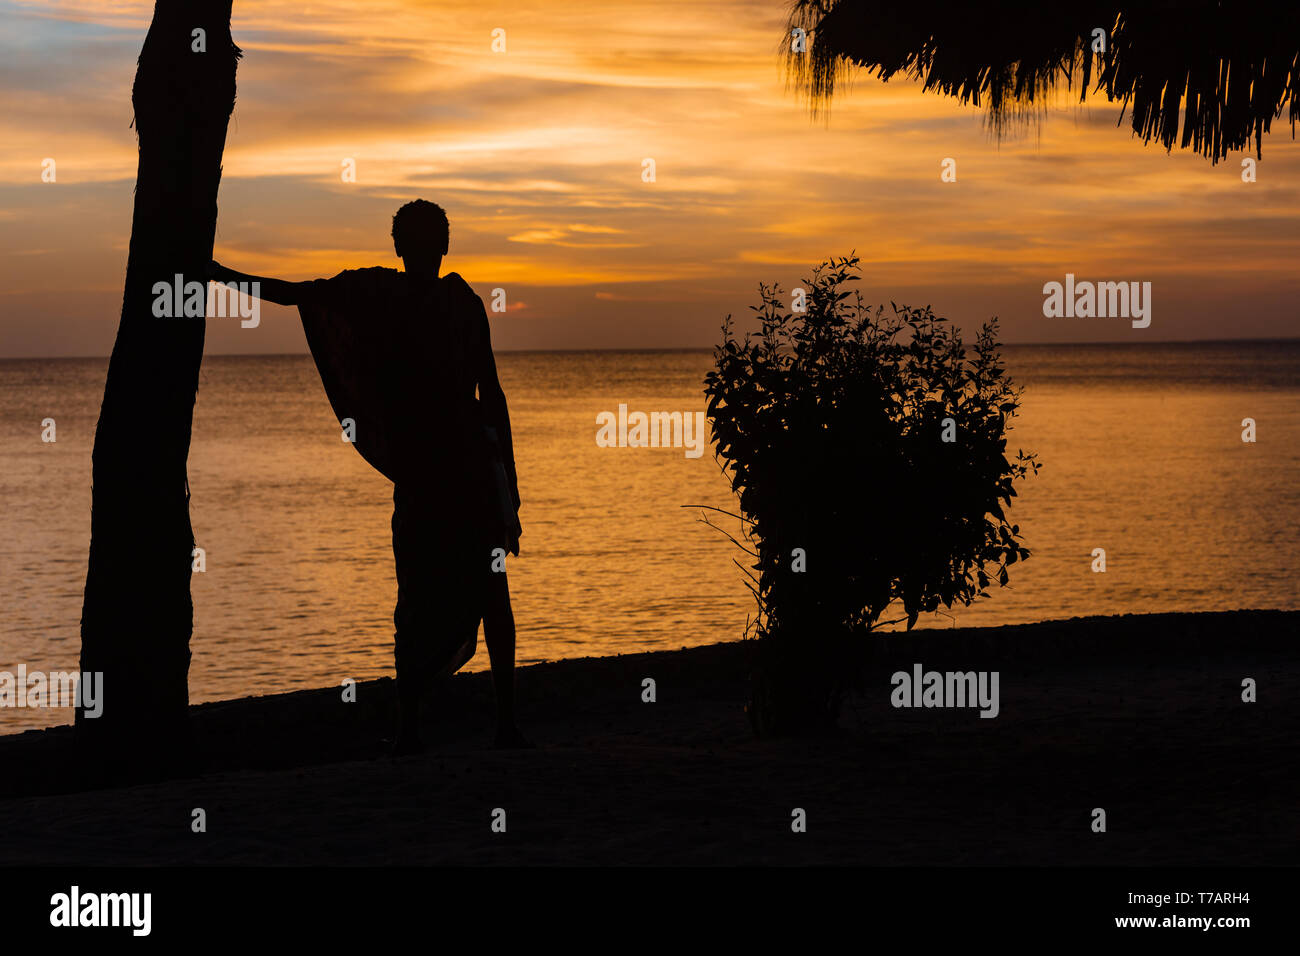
[696,348]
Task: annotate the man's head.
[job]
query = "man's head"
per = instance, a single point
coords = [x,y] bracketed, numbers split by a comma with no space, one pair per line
[420,231]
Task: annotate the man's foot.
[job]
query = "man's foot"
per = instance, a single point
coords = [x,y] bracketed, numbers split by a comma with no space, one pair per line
[509,738]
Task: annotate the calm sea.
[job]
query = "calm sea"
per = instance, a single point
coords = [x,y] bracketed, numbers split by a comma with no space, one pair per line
[1141,448]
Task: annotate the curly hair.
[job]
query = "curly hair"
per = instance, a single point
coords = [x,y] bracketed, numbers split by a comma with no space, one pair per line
[420,224]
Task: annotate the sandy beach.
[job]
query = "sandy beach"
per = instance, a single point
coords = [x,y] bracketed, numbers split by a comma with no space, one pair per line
[1140,715]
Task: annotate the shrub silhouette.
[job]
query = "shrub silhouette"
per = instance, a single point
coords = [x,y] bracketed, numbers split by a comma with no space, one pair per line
[874,443]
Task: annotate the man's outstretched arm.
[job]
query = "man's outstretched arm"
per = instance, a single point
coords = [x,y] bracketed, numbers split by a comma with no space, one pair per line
[270,290]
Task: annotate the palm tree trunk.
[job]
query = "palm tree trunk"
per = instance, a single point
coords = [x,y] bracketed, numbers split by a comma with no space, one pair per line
[138,616]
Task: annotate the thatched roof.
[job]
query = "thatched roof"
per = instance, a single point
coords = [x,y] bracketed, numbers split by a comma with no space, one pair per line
[1230,68]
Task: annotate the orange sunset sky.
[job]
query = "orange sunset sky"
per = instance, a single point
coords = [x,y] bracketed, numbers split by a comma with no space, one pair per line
[537,154]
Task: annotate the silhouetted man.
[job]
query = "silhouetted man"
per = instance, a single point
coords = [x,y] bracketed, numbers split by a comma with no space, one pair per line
[406,360]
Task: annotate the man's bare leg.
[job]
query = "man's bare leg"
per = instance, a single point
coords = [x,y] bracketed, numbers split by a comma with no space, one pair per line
[410,696]
[499,633]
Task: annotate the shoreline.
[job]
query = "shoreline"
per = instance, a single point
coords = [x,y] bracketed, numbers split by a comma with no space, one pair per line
[1137,714]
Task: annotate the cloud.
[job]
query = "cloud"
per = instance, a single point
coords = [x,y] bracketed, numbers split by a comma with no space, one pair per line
[537,155]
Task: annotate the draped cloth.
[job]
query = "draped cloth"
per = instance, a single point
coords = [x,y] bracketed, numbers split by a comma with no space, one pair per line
[409,362]
[402,359]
